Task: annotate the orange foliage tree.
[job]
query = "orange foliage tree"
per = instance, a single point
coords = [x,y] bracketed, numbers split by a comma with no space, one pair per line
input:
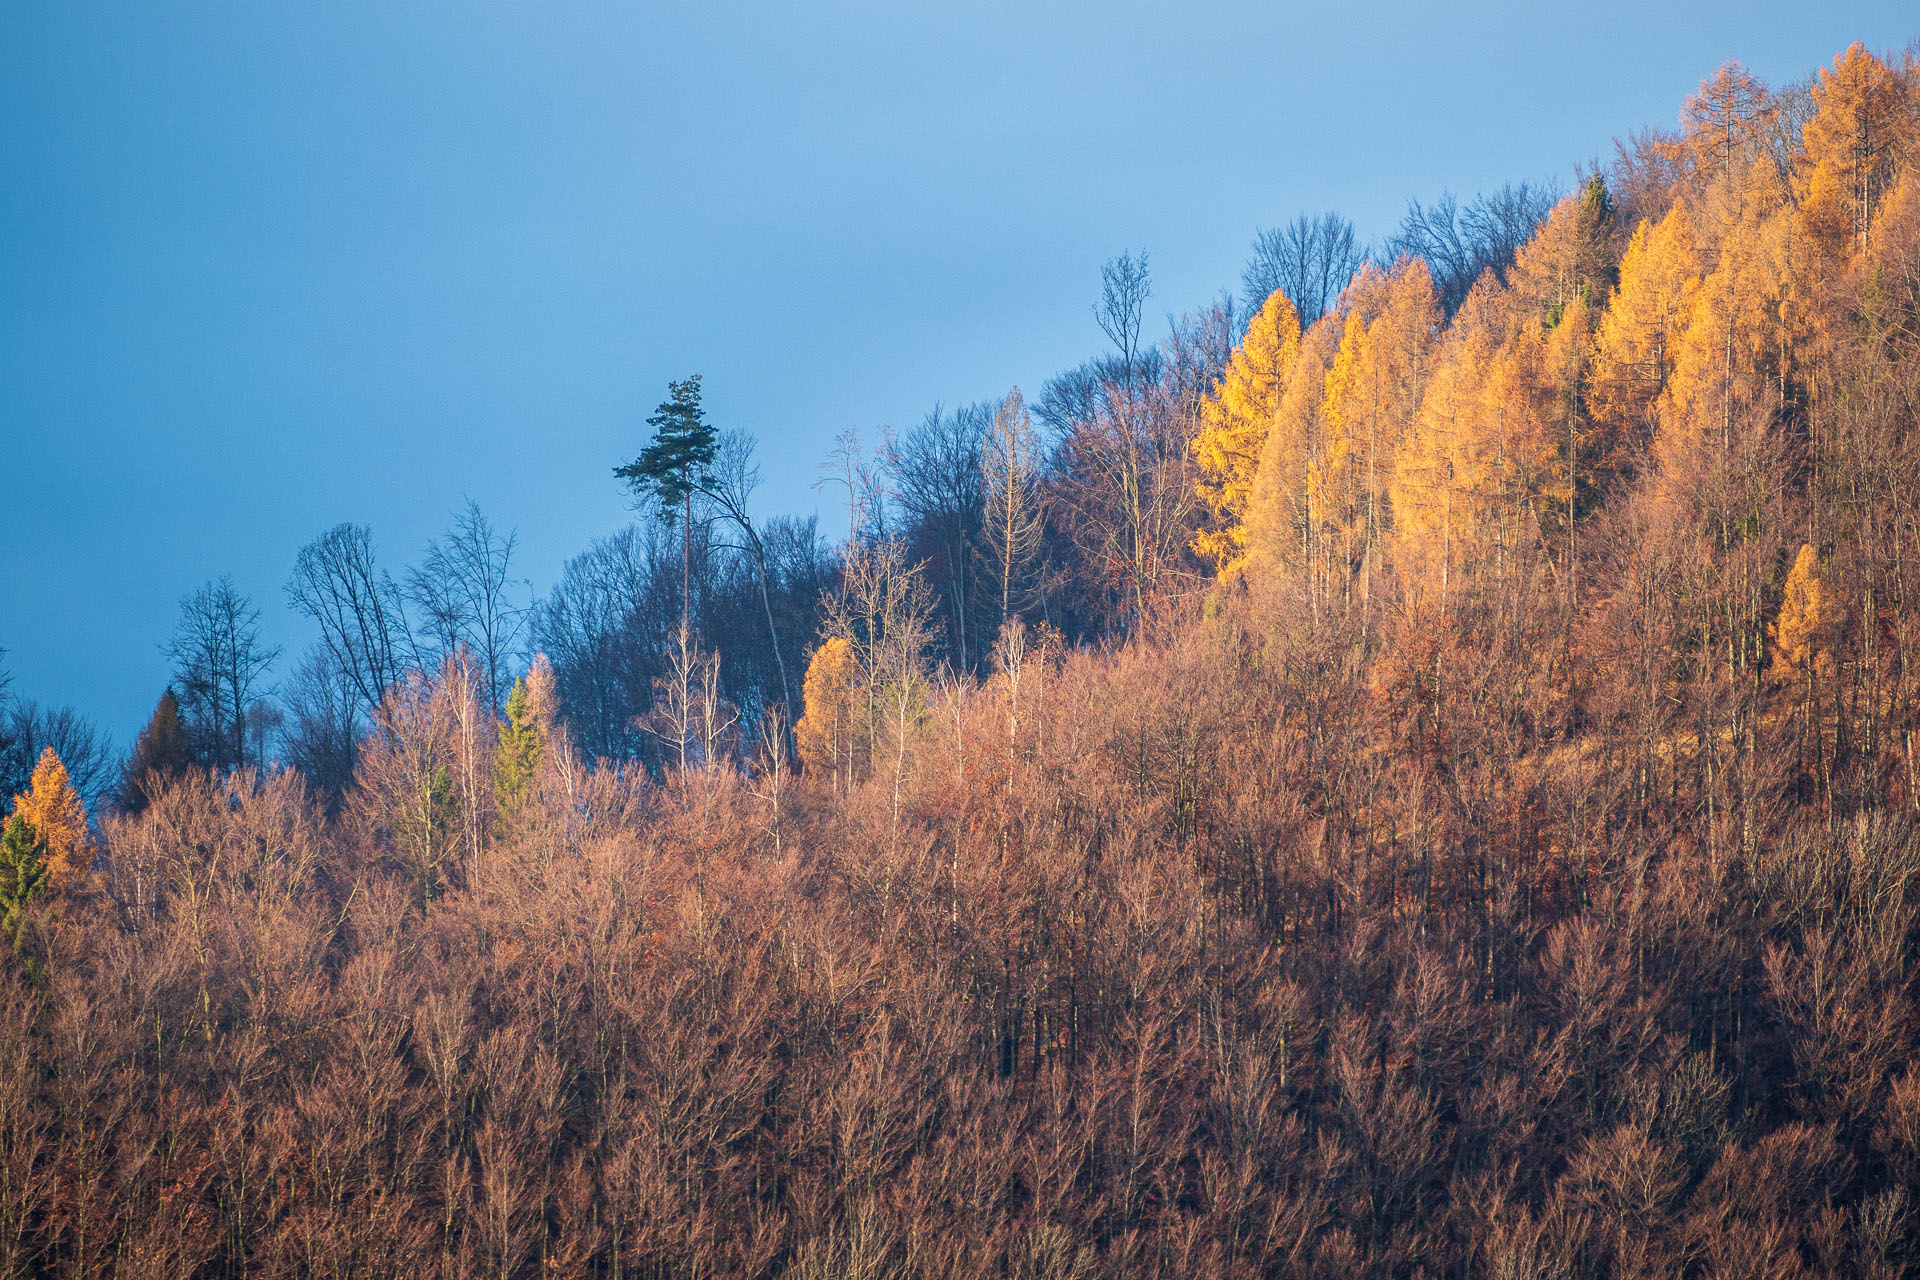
[1634,344]
[824,734]
[1234,422]
[1802,631]
[53,808]
[1372,391]
[1852,146]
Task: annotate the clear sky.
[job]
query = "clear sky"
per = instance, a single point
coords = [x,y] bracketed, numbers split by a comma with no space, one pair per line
[269,266]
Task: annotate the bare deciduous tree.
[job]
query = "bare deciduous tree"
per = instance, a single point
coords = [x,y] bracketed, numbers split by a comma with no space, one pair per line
[360,611]
[936,470]
[1125,285]
[1310,259]
[884,611]
[218,664]
[726,485]
[321,733]
[27,729]
[690,717]
[1010,483]
[466,596]
[1459,245]
[1130,451]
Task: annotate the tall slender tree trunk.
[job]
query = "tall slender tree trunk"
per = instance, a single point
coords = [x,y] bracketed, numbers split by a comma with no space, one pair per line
[773,636]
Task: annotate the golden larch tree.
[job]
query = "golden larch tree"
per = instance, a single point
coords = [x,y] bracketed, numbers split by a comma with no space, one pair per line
[1733,361]
[824,735]
[1722,120]
[1235,420]
[1278,530]
[1634,344]
[1851,148]
[1559,279]
[1466,458]
[1802,632]
[1567,348]
[1372,393]
[1892,297]
[1569,259]
[1336,504]
[54,809]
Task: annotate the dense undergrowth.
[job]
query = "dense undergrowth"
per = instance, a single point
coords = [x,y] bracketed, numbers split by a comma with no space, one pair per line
[1208,956]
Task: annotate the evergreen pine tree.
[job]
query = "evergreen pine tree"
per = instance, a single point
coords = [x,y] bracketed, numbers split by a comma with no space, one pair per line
[683,446]
[517,752]
[23,875]
[427,831]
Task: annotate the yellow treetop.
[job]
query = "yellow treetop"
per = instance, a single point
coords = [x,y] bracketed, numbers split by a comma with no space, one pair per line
[1852,147]
[1481,446]
[1737,343]
[825,732]
[1372,392]
[1568,259]
[1723,119]
[1567,352]
[1234,422]
[1634,348]
[1893,298]
[1438,474]
[1343,413]
[1277,526]
[54,809]
[1558,279]
[1802,634]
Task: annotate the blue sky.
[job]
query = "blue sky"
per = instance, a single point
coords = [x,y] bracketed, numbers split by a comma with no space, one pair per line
[266,267]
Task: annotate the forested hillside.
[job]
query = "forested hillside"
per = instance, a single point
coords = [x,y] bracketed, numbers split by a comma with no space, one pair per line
[1411,774]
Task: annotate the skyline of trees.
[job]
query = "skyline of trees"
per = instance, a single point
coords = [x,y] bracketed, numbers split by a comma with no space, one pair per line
[1115,497]
[374,626]
[1124,505]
